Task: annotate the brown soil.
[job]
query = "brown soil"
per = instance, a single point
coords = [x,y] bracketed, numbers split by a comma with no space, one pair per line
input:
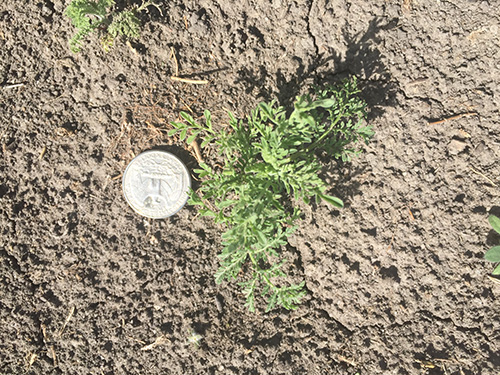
[396,280]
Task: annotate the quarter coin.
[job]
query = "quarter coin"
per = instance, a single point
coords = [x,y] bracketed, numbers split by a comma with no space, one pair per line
[155,184]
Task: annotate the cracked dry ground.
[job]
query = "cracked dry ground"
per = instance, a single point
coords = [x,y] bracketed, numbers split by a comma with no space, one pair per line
[396,280]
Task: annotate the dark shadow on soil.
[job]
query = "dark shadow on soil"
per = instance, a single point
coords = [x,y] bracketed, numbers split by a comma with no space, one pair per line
[363,59]
[273,341]
[494,356]
[495,210]
[342,177]
[206,73]
[493,237]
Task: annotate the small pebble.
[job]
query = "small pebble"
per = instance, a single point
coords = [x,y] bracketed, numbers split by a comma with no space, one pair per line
[455,147]
[218,303]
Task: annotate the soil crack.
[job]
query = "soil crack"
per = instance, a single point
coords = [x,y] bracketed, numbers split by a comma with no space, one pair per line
[309,30]
[432,317]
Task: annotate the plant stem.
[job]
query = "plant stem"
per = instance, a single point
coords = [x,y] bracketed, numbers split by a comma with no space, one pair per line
[144,5]
[314,145]
[259,271]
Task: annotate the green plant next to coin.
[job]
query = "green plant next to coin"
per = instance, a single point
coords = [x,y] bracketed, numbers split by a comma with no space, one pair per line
[268,159]
[98,15]
[493,254]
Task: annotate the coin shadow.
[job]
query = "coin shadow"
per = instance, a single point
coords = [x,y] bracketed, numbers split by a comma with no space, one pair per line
[185,156]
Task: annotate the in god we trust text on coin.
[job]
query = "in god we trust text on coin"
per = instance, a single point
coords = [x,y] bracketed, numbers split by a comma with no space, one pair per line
[155,184]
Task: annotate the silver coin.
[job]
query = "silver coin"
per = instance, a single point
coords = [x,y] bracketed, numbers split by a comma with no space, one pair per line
[155,184]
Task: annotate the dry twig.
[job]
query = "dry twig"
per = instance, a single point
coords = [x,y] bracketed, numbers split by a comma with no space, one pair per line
[455,117]
[191,81]
[172,55]
[131,48]
[32,358]
[68,318]
[483,176]
[13,86]
[197,151]
[494,279]
[42,153]
[351,362]
[159,341]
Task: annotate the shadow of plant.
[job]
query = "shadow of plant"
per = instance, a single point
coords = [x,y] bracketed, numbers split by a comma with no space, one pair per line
[362,59]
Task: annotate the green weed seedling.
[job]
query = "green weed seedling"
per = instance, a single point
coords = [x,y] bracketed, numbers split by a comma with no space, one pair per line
[98,15]
[195,338]
[268,159]
[493,254]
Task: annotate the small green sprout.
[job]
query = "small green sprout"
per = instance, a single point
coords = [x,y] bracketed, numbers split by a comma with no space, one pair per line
[493,254]
[195,338]
[268,159]
[97,15]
